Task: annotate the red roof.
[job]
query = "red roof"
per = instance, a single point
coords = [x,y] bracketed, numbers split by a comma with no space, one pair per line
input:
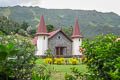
[76,31]
[34,41]
[51,34]
[42,27]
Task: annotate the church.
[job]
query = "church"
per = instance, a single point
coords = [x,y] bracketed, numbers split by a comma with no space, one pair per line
[57,41]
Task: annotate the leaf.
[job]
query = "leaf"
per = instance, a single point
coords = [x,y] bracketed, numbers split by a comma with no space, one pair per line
[2,48]
[13,52]
[3,55]
[10,46]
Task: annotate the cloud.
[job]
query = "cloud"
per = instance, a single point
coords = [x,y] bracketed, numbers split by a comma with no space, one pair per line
[31,3]
[4,3]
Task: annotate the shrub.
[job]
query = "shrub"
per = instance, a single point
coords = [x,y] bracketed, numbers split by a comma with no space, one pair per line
[59,60]
[69,77]
[40,72]
[24,60]
[103,57]
[48,60]
[6,65]
[74,61]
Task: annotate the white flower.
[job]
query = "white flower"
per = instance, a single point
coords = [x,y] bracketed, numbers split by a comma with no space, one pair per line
[6,42]
[22,57]
[8,37]
[11,32]
[15,40]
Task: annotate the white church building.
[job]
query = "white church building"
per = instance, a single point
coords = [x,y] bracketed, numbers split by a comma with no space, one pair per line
[59,43]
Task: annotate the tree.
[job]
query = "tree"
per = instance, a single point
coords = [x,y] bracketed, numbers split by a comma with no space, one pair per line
[103,57]
[68,30]
[7,26]
[24,25]
[50,28]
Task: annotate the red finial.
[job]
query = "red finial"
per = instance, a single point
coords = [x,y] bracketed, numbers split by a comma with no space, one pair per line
[76,31]
[42,27]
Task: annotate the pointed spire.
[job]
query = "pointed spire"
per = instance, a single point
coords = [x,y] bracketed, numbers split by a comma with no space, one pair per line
[76,31]
[42,26]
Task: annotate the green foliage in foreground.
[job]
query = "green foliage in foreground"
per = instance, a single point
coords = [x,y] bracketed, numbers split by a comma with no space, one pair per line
[6,65]
[41,72]
[103,57]
[24,60]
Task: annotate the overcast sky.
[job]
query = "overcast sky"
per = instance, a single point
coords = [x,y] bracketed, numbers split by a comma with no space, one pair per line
[99,5]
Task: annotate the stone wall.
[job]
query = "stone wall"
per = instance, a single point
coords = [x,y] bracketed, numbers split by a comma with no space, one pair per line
[60,40]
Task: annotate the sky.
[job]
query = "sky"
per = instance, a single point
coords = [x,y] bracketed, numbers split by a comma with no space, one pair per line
[98,5]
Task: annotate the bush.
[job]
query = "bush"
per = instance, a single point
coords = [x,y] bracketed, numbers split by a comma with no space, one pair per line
[103,57]
[40,72]
[59,60]
[74,61]
[6,65]
[25,59]
[48,60]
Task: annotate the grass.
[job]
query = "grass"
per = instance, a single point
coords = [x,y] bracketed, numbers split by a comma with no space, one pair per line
[58,71]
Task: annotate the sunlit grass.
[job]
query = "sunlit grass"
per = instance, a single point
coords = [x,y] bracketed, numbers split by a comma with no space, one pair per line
[58,71]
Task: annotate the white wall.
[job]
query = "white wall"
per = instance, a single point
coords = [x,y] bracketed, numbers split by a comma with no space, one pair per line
[42,44]
[77,42]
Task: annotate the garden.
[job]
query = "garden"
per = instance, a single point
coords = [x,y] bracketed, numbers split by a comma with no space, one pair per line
[100,61]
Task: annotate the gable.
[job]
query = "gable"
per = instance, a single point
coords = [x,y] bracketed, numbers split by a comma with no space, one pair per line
[52,34]
[60,36]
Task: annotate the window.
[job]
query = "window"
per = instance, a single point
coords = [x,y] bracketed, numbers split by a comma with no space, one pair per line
[59,37]
[44,37]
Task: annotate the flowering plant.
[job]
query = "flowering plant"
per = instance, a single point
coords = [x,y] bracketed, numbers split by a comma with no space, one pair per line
[25,58]
[59,60]
[48,60]
[74,61]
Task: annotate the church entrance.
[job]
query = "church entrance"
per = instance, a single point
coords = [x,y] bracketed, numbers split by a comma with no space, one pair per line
[59,51]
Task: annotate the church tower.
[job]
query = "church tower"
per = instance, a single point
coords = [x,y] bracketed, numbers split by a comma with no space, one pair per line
[42,37]
[77,39]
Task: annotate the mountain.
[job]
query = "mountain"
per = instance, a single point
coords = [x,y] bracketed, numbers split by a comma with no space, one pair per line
[91,22]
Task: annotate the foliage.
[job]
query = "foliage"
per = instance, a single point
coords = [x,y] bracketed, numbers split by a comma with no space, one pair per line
[24,25]
[48,52]
[59,60]
[48,60]
[102,57]
[68,30]
[69,77]
[74,61]
[31,31]
[50,28]
[76,74]
[7,26]
[22,32]
[40,72]
[25,58]
[6,65]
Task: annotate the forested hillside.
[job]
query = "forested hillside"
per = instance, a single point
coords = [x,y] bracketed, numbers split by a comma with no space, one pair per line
[91,22]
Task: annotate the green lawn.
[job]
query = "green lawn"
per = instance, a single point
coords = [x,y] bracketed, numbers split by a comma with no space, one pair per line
[58,71]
